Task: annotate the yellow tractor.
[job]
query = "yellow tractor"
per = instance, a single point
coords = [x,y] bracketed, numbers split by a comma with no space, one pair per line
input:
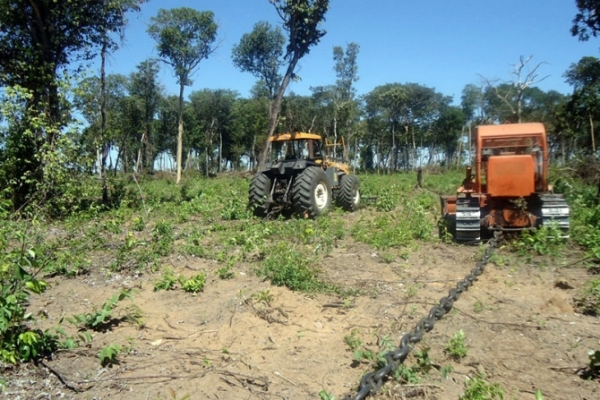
[304,176]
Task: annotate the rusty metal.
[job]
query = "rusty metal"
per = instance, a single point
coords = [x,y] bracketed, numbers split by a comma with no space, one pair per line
[372,381]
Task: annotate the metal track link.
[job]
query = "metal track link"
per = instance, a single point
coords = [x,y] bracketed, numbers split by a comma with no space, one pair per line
[468,224]
[555,210]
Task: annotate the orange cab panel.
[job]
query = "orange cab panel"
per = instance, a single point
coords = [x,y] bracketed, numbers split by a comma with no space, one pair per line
[511,175]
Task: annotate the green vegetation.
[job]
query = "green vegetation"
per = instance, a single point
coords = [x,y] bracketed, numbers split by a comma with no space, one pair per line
[477,388]
[456,346]
[594,365]
[101,318]
[108,355]
[589,301]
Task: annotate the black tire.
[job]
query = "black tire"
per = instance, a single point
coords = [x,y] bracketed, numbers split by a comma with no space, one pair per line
[348,196]
[258,194]
[311,193]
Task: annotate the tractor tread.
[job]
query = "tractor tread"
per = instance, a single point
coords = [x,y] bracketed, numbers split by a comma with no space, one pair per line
[349,193]
[303,196]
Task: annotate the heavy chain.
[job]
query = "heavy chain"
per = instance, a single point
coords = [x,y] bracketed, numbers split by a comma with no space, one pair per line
[372,381]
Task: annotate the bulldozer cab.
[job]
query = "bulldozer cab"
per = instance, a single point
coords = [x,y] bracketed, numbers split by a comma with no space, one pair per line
[511,159]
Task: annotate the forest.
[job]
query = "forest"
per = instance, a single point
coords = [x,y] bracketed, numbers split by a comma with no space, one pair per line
[131,126]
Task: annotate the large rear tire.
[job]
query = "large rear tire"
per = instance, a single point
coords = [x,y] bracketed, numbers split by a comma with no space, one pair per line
[349,194]
[311,193]
[259,193]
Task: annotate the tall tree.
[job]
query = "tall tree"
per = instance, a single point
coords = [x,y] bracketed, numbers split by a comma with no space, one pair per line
[513,91]
[585,79]
[184,37]
[38,38]
[346,71]
[587,20]
[260,52]
[301,19]
[145,89]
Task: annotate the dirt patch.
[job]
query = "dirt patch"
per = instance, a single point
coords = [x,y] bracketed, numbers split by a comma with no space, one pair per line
[229,343]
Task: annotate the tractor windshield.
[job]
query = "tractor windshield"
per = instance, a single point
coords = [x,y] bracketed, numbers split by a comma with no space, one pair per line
[302,149]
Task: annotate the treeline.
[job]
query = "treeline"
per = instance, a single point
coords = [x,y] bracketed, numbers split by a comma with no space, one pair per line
[131,125]
[396,126]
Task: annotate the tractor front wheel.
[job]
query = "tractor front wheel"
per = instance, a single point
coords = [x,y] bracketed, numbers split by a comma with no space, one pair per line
[311,193]
[259,193]
[349,194]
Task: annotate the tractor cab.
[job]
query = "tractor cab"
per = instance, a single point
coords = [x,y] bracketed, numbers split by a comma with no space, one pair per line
[296,146]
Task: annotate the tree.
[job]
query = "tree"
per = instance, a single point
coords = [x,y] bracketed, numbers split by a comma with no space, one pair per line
[38,38]
[512,95]
[301,19]
[260,53]
[448,130]
[587,20]
[346,71]
[184,37]
[585,79]
[147,92]
[213,110]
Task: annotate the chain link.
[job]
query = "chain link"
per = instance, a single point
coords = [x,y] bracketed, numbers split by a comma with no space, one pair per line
[372,381]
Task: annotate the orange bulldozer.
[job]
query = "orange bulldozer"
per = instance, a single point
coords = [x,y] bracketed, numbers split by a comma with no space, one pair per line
[509,190]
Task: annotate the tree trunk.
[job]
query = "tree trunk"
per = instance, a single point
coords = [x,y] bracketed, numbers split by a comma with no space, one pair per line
[105,198]
[253,156]
[592,133]
[275,108]
[138,163]
[220,150]
[180,133]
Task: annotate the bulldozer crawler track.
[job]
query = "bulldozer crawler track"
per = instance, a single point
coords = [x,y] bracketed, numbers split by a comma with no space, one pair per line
[468,214]
[556,210]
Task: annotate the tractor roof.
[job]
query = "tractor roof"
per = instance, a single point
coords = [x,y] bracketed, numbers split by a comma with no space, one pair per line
[286,137]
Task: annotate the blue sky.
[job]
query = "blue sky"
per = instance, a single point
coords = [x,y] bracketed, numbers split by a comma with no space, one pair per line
[438,43]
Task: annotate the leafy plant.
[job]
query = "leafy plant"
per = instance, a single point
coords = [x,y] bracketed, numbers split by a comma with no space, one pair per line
[162,238]
[477,388]
[134,315]
[225,272]
[100,318]
[593,370]
[478,306]
[324,395]
[19,265]
[287,267]
[194,284]
[589,301]
[353,340]
[456,347]
[167,280]
[138,224]
[108,355]
[264,296]
[406,375]
[385,201]
[544,241]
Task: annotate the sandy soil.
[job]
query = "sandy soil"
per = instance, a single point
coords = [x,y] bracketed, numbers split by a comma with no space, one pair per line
[223,343]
